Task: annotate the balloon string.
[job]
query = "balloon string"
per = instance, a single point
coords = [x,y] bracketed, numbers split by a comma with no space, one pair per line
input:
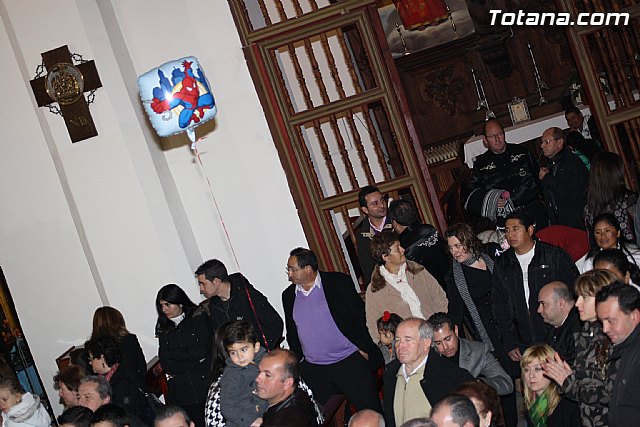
[215,202]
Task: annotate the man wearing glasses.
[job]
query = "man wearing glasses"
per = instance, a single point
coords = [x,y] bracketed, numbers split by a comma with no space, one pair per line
[564,180]
[327,331]
[504,179]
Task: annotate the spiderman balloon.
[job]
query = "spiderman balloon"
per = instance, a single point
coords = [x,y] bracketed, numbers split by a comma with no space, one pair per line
[180,102]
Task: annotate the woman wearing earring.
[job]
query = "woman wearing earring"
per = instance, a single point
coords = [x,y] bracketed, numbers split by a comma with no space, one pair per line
[110,322]
[105,358]
[185,340]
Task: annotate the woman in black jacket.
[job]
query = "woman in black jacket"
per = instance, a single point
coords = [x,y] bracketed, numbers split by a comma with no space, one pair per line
[185,339]
[105,358]
[469,290]
[110,322]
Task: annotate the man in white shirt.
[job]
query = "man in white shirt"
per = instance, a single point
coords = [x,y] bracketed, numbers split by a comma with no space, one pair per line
[519,274]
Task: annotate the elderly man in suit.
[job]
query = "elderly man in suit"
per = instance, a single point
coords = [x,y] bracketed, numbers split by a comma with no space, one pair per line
[419,377]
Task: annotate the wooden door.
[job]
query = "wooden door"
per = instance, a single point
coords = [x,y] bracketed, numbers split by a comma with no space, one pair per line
[337,114]
[608,59]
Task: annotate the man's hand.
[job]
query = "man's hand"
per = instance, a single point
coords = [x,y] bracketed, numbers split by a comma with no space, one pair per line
[543,172]
[515,355]
[257,422]
[365,355]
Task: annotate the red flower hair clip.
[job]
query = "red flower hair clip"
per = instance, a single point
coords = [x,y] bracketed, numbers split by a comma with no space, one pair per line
[386,316]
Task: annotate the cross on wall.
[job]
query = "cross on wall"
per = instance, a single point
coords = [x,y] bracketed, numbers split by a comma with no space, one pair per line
[74,80]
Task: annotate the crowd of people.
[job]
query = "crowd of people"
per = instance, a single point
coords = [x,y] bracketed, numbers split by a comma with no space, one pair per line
[449,331]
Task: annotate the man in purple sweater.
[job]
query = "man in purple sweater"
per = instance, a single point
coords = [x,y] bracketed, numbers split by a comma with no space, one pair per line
[326,329]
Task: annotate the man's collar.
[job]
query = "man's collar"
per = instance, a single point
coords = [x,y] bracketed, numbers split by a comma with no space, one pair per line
[560,154]
[284,402]
[403,368]
[316,284]
[533,249]
[563,321]
[628,340]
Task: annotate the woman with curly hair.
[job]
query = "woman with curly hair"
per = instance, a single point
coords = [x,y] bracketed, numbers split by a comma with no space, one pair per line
[105,358]
[545,406]
[470,286]
[398,285]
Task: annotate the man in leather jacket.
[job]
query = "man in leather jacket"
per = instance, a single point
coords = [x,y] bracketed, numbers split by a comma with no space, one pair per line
[504,179]
[276,383]
[421,242]
[518,275]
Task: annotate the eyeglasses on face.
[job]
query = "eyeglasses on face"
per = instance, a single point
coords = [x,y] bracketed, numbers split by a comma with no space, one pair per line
[495,136]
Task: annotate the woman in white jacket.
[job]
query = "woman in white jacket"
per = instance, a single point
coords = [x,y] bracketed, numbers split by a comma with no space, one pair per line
[20,408]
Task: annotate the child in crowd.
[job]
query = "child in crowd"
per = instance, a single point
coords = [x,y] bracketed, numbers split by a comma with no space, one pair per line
[387,325]
[20,408]
[239,406]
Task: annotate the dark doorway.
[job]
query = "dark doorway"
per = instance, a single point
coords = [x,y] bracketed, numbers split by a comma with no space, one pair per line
[15,355]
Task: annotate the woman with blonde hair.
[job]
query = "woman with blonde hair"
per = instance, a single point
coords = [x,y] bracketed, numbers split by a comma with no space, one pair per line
[588,382]
[546,407]
[108,321]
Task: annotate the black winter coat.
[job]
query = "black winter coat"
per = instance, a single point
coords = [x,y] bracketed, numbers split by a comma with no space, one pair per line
[185,356]
[239,308]
[518,325]
[458,311]
[423,244]
[566,414]
[565,189]
[133,358]
[126,393]
[624,408]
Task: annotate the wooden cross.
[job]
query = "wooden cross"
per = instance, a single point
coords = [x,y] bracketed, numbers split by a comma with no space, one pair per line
[65,84]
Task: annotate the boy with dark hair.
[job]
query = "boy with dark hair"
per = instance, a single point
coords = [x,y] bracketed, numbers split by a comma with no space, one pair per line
[239,405]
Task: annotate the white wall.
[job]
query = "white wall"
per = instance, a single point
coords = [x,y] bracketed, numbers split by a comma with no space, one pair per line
[111,219]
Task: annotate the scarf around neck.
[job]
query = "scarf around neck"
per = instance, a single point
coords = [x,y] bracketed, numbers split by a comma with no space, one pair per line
[538,410]
[399,282]
[463,289]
